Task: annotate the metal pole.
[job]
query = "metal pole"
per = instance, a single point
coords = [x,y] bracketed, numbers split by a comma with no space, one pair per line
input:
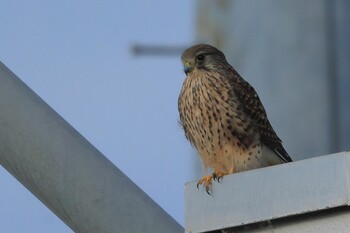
[67,173]
[157,50]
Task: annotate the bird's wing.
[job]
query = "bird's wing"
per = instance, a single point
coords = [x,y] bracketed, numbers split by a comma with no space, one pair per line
[253,107]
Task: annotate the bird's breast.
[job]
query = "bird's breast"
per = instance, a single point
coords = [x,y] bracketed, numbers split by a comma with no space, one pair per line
[212,117]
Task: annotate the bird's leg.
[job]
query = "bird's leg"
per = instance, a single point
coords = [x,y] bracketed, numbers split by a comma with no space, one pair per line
[217,175]
[206,180]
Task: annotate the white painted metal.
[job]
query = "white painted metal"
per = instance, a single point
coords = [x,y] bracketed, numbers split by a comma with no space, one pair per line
[66,172]
[270,193]
[333,220]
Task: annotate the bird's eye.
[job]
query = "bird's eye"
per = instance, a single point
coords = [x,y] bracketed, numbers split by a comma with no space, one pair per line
[200,57]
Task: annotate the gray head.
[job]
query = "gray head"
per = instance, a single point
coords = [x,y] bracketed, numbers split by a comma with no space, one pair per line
[203,57]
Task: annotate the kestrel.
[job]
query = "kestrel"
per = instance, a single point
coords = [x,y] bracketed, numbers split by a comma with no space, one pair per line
[223,117]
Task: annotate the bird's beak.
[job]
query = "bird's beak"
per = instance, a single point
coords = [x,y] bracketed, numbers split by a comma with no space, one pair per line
[188,67]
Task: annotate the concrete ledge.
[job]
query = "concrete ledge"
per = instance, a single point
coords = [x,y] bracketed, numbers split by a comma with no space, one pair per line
[322,221]
[270,193]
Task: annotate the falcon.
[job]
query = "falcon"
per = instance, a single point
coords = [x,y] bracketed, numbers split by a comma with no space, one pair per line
[223,117]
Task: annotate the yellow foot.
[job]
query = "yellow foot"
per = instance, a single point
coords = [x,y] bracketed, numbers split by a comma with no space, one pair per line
[218,175]
[206,180]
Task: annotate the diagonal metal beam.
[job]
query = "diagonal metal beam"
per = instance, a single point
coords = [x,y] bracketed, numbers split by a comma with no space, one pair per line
[68,174]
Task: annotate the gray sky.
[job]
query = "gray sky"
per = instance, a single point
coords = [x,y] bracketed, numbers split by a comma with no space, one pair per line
[76,56]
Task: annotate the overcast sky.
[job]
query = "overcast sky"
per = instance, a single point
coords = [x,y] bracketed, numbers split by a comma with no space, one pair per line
[76,55]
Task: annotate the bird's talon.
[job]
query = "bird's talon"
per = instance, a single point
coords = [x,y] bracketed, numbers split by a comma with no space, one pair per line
[214,176]
[208,191]
[206,181]
[217,176]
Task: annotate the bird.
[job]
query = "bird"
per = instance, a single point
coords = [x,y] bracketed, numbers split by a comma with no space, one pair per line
[223,118]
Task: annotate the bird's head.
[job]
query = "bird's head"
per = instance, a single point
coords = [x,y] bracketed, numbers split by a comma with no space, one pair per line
[203,57]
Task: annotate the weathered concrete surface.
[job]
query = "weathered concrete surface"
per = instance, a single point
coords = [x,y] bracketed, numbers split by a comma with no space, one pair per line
[270,193]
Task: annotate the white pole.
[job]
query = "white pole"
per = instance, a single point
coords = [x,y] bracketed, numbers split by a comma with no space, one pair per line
[67,173]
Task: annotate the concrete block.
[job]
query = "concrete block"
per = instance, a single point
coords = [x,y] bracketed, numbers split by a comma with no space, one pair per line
[269,193]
